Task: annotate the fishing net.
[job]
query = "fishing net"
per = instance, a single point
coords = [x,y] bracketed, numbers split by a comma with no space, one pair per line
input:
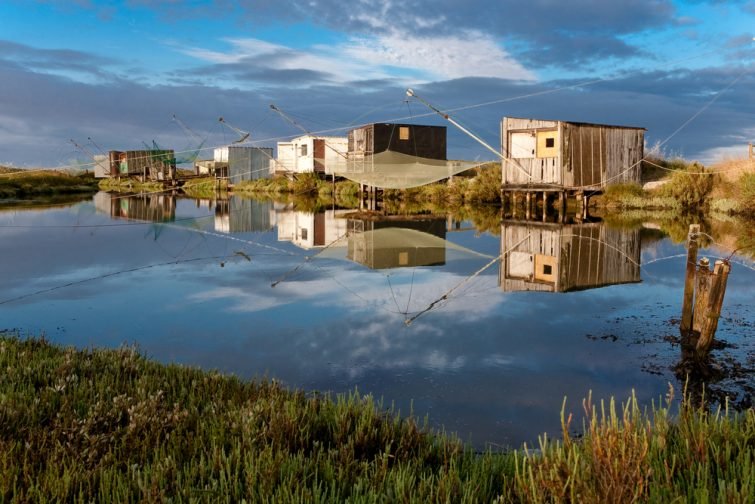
[394,170]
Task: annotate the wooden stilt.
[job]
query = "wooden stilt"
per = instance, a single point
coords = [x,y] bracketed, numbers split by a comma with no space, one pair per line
[689,281]
[713,309]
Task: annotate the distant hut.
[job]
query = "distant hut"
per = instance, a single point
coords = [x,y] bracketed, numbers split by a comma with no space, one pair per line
[412,139]
[101,166]
[568,156]
[561,258]
[238,162]
[241,215]
[154,164]
[310,154]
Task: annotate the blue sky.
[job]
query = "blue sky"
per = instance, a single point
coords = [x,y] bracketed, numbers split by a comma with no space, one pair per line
[117,71]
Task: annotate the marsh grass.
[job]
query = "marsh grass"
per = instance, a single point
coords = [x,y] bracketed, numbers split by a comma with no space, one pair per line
[110,425]
[129,184]
[20,184]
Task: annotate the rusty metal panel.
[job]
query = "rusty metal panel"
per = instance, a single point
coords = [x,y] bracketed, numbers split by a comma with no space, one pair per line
[319,155]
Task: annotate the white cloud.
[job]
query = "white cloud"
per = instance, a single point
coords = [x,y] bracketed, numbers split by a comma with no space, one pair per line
[397,55]
[473,54]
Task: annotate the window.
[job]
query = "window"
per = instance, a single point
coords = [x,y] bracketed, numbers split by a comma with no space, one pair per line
[403,133]
[304,230]
[550,142]
[547,269]
[304,150]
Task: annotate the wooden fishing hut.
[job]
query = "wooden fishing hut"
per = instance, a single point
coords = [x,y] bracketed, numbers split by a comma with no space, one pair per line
[154,164]
[550,257]
[566,159]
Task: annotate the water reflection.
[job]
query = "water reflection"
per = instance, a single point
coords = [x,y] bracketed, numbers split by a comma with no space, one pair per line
[567,257]
[483,362]
[141,207]
[242,215]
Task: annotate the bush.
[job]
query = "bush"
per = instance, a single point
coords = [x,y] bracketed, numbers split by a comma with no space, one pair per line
[690,185]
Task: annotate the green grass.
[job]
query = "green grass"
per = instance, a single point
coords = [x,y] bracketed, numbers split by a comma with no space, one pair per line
[110,425]
[21,184]
[129,184]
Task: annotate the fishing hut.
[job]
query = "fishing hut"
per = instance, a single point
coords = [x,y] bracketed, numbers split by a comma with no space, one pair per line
[549,257]
[310,154]
[144,165]
[238,162]
[566,159]
[391,141]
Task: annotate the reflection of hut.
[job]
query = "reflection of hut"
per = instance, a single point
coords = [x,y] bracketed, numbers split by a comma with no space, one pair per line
[569,155]
[154,164]
[412,139]
[563,258]
[397,243]
[311,230]
[241,215]
[143,207]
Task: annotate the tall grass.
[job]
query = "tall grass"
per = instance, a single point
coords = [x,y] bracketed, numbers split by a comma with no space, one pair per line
[109,425]
[20,183]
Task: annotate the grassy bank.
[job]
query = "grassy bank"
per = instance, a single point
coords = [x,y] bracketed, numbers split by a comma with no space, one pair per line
[726,188]
[109,425]
[21,183]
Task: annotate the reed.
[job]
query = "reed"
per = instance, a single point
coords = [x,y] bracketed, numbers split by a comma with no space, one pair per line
[110,425]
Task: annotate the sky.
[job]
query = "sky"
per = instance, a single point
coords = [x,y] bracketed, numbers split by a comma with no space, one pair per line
[78,77]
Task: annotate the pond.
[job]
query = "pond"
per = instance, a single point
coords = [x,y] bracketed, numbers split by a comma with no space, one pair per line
[485,333]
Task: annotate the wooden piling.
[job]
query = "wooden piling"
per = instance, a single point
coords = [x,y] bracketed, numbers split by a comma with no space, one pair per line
[689,280]
[528,205]
[713,309]
[702,290]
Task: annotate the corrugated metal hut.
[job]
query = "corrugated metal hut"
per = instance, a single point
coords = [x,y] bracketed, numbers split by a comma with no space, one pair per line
[101,166]
[562,258]
[413,139]
[155,164]
[569,155]
[243,163]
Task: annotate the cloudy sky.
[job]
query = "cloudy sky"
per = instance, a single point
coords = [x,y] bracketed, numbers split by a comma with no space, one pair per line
[111,74]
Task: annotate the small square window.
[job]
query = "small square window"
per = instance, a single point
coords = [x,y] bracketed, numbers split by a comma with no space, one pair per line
[547,269]
[403,133]
[550,142]
[304,150]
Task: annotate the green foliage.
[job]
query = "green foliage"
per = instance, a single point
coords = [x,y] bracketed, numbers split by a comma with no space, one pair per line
[746,198]
[690,185]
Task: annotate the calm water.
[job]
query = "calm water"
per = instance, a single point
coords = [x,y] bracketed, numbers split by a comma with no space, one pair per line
[568,310]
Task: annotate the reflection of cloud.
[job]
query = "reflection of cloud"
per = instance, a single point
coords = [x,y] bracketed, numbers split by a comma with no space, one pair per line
[239,299]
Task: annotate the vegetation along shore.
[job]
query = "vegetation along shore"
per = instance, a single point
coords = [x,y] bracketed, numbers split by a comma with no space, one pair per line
[111,425]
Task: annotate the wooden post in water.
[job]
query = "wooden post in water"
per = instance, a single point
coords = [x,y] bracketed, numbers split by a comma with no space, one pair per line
[689,281]
[528,206]
[713,308]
